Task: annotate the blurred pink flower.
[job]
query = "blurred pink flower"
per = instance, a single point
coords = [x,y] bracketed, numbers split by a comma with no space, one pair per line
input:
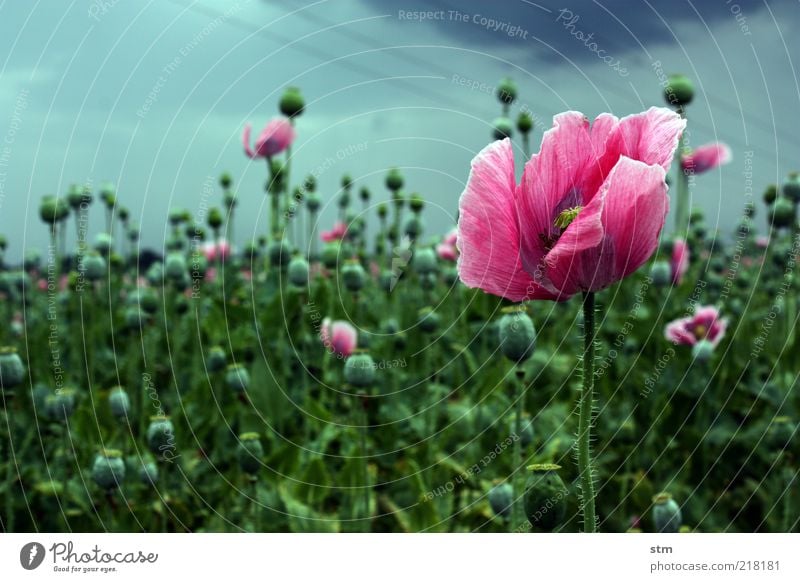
[276,136]
[680,260]
[211,275]
[336,233]
[213,250]
[588,211]
[446,249]
[762,241]
[706,157]
[338,337]
[705,324]
[42,284]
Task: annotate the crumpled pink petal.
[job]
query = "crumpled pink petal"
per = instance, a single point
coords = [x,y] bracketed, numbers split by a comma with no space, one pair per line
[706,157]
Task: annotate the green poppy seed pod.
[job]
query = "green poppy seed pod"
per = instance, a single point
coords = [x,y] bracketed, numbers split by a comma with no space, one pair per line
[12,371]
[699,230]
[416,203]
[52,210]
[93,266]
[216,359]
[313,202]
[524,122]
[451,276]
[545,498]
[330,254]
[133,233]
[249,453]
[103,243]
[517,334]
[148,300]
[783,213]
[749,210]
[364,194]
[3,242]
[502,128]
[123,214]
[298,272]
[679,91]
[160,435]
[119,402]
[176,216]
[667,516]
[214,218]
[135,318]
[32,260]
[310,183]
[359,370]
[108,469]
[394,180]
[506,91]
[791,187]
[148,473]
[398,199]
[427,282]
[501,498]
[781,433]
[703,350]
[353,276]
[292,103]
[696,215]
[383,210]
[424,261]
[74,196]
[60,405]
[344,199]
[413,227]
[107,190]
[347,181]
[526,434]
[770,194]
[175,267]
[225,180]
[279,253]
[229,200]
[428,320]
[237,378]
[661,273]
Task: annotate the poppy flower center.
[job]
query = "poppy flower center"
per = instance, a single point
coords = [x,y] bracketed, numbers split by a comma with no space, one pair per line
[700,331]
[566,217]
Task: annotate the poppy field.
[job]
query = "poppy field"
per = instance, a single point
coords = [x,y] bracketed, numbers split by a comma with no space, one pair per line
[564,358]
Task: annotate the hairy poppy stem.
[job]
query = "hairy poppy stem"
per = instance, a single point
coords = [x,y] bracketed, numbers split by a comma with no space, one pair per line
[682,210]
[585,417]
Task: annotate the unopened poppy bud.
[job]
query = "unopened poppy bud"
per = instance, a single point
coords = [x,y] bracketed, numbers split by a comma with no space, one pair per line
[103,243]
[249,452]
[416,203]
[413,227]
[502,128]
[108,470]
[12,371]
[225,180]
[364,194]
[506,91]
[703,350]
[667,516]
[160,435]
[791,187]
[501,497]
[353,276]
[661,273]
[310,183]
[175,267]
[292,103]
[214,218]
[359,370]
[119,402]
[524,122]
[344,199]
[279,253]
[679,91]
[545,497]
[93,266]
[394,180]
[237,378]
[428,320]
[313,202]
[425,261]
[517,334]
[770,194]
[298,272]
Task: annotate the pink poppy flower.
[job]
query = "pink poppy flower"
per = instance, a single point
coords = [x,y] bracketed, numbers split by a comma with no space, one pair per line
[705,324]
[276,136]
[680,260]
[762,241]
[42,284]
[336,233]
[588,211]
[706,157]
[339,337]
[210,275]
[220,249]
[446,249]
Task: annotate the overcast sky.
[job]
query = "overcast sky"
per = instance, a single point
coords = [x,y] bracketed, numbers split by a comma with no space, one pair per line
[153,96]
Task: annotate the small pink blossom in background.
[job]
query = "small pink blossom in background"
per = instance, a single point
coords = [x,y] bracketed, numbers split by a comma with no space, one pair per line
[63,283]
[446,249]
[705,324]
[42,284]
[680,260]
[213,250]
[276,137]
[336,233]
[374,269]
[762,241]
[747,262]
[338,337]
[211,275]
[705,158]
[588,211]
[247,274]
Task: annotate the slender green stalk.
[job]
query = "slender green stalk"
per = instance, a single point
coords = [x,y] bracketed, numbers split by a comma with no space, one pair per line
[682,185]
[585,420]
[364,466]
[517,485]
[10,477]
